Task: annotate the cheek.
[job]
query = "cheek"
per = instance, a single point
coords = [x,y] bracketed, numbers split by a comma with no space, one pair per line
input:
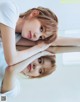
[24,31]
[34,73]
[48,63]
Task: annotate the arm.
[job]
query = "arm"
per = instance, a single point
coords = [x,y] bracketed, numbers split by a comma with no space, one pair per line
[11,71]
[8,80]
[56,49]
[66,41]
[25,42]
[60,49]
[22,65]
[13,56]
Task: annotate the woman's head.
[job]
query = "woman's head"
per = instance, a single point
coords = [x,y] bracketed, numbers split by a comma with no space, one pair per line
[41,67]
[40,23]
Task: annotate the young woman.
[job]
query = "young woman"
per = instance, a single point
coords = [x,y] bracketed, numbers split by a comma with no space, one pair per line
[34,67]
[37,23]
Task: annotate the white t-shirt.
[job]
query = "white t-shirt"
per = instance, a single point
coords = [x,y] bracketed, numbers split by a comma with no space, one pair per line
[9,14]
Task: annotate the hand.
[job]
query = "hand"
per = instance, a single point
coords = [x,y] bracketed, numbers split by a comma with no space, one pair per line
[43,46]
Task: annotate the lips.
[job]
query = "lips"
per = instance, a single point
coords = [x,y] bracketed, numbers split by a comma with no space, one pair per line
[29,35]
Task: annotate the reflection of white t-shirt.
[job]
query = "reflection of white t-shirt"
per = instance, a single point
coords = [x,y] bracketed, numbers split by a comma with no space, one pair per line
[9,14]
[3,65]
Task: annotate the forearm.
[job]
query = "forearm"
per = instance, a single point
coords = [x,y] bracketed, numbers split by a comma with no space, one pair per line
[60,49]
[22,65]
[8,81]
[67,49]
[25,42]
[66,41]
[24,54]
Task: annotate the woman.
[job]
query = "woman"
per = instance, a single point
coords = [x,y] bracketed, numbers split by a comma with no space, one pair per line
[37,23]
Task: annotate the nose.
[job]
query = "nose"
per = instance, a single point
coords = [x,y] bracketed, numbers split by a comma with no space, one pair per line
[34,66]
[36,36]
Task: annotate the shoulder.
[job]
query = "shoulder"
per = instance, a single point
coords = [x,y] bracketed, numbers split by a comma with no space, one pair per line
[8,13]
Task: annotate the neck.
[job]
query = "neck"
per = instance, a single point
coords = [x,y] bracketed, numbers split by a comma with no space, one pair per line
[19,25]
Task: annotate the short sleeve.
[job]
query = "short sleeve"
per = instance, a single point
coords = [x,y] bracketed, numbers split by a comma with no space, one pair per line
[8,14]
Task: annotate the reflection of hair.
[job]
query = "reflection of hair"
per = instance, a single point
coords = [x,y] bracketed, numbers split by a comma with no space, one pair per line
[50,69]
[48,20]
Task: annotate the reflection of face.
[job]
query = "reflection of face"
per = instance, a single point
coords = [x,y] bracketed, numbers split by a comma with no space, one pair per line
[33,30]
[37,67]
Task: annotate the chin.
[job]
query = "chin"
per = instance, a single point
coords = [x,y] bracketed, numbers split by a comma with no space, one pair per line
[24,36]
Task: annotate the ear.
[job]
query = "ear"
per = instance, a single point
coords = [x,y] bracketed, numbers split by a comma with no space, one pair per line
[34,13]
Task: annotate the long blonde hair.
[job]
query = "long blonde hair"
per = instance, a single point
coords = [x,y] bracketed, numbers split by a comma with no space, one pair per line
[48,19]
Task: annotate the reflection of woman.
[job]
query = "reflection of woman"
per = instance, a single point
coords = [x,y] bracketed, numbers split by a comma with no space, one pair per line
[40,67]
[34,67]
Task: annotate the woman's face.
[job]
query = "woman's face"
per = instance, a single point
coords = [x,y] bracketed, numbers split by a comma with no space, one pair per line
[37,67]
[33,30]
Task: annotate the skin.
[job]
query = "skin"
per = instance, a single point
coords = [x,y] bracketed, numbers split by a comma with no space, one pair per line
[37,67]
[31,32]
